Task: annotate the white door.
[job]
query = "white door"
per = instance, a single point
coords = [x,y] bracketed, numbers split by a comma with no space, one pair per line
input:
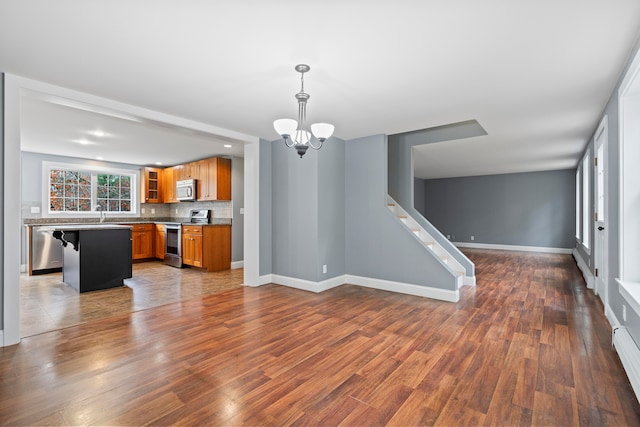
[600,196]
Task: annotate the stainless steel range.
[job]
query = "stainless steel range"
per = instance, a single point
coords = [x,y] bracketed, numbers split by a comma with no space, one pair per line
[173,236]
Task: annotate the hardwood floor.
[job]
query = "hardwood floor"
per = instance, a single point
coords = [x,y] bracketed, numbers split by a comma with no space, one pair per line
[47,304]
[528,346]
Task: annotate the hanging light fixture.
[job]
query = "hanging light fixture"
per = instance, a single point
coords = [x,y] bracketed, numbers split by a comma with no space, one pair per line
[294,132]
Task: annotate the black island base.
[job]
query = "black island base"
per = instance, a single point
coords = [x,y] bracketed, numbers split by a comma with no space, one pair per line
[95,256]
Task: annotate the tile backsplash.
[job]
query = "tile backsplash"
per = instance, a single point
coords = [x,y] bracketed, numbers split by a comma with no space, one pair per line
[220,210]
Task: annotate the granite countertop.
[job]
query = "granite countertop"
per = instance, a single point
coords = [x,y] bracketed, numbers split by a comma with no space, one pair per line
[76,227]
[30,222]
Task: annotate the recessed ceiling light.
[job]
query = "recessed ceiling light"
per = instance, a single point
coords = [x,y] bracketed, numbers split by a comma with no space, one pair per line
[83,141]
[227,145]
[158,163]
[99,158]
[98,133]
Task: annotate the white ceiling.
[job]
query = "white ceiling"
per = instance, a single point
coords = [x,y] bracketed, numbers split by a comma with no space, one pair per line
[535,74]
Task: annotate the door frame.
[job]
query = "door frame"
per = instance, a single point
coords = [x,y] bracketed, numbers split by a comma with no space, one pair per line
[600,258]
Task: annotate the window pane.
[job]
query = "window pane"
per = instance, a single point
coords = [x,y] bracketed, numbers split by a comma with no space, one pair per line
[586,201]
[72,191]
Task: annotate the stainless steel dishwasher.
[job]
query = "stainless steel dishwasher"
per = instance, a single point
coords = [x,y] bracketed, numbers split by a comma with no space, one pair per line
[46,251]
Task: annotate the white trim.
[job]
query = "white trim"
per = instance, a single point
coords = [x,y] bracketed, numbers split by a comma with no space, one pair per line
[251,236]
[307,285]
[513,248]
[631,293]
[586,273]
[2,343]
[237,264]
[259,281]
[367,282]
[405,288]
[469,280]
[23,268]
[629,354]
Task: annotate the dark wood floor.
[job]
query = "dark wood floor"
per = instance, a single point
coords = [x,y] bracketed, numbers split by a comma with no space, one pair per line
[528,346]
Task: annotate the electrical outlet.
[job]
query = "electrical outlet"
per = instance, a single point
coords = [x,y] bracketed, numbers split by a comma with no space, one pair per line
[324,269]
[153,210]
[176,210]
[143,210]
[624,313]
[473,237]
[449,236]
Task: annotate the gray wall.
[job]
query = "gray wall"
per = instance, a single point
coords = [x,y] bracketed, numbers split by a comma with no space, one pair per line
[331,208]
[523,209]
[377,246]
[237,196]
[308,211]
[418,195]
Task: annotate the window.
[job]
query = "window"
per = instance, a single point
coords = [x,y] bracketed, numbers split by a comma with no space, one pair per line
[586,199]
[80,190]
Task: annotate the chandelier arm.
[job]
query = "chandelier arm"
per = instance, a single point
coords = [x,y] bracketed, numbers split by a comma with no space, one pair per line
[289,144]
[314,147]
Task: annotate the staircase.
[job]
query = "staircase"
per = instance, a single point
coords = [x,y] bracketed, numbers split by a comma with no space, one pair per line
[440,253]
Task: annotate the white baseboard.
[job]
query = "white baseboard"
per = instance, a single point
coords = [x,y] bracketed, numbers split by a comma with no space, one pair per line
[629,354]
[513,248]
[23,268]
[262,280]
[469,280]
[2,344]
[586,273]
[307,285]
[405,288]
[611,317]
[367,282]
[237,264]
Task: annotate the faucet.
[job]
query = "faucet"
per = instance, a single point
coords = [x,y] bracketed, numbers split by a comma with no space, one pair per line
[102,213]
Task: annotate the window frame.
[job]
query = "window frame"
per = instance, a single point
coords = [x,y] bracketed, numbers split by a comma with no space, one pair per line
[94,170]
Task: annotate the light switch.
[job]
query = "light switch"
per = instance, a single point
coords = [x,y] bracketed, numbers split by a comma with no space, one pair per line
[35,209]
[241,211]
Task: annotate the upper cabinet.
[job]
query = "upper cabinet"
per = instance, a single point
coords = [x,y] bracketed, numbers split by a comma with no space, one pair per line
[214,179]
[169,176]
[152,185]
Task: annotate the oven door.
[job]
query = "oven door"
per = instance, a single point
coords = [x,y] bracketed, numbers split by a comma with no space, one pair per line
[172,245]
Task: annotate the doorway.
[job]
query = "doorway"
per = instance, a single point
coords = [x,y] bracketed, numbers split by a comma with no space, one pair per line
[600,208]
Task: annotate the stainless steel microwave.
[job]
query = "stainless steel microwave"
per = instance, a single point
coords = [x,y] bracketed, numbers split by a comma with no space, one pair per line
[186,190]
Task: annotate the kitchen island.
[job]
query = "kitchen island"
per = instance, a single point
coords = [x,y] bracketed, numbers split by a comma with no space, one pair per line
[95,256]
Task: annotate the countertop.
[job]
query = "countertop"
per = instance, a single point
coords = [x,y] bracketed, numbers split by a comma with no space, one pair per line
[77,227]
[32,222]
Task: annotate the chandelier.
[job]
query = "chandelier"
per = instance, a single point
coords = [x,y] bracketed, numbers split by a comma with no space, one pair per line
[295,133]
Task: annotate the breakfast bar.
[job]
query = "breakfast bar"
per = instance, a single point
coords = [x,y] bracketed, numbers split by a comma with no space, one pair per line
[95,256]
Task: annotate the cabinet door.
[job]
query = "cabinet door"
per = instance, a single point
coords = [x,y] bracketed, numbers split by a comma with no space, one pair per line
[217,247]
[197,250]
[202,184]
[142,244]
[169,185]
[214,179]
[152,185]
[223,179]
[187,249]
[159,241]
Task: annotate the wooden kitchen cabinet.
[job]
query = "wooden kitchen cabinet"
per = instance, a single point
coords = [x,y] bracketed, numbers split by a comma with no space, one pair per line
[192,245]
[152,185]
[169,185]
[214,179]
[159,241]
[142,241]
[207,246]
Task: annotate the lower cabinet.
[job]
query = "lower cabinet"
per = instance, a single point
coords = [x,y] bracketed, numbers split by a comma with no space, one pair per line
[142,241]
[192,245]
[207,246]
[159,241]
